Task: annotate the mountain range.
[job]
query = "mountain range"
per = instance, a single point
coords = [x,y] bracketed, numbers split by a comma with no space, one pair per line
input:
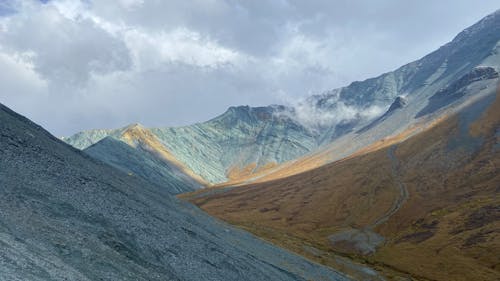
[68,216]
[413,194]
[393,178]
[245,140]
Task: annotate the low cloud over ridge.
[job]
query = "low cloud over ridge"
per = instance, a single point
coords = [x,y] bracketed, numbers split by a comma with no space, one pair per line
[73,65]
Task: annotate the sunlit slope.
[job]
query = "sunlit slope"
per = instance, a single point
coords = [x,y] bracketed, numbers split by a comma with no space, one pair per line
[427,207]
[448,100]
[245,141]
[139,153]
[240,141]
[243,138]
[143,163]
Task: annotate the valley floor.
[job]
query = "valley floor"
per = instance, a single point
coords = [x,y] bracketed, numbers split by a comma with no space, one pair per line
[426,208]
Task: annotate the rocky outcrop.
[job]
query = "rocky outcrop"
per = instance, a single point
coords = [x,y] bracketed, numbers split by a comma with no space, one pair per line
[458,89]
[399,102]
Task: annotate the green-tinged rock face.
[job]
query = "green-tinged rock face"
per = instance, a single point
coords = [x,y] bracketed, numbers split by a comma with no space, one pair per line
[352,117]
[137,162]
[240,137]
[85,139]
[67,216]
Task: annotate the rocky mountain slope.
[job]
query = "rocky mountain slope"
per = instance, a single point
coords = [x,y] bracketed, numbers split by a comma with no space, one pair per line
[406,182]
[245,140]
[142,163]
[424,207]
[241,138]
[66,216]
[134,149]
[413,192]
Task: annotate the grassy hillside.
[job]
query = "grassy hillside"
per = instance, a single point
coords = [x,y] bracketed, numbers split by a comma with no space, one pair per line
[427,207]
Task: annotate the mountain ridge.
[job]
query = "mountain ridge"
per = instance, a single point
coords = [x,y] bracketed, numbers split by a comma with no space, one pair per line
[398,172]
[66,215]
[432,195]
[244,137]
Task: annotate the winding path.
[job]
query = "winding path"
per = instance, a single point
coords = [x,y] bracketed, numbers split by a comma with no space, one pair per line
[403,191]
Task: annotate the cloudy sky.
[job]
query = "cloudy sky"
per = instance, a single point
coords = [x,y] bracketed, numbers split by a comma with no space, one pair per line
[74,65]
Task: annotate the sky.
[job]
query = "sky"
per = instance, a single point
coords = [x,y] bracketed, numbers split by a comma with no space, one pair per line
[78,65]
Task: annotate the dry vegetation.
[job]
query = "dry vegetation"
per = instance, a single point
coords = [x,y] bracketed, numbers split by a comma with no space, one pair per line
[448,228]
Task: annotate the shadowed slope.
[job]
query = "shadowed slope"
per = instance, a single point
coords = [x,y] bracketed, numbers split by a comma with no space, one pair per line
[243,138]
[244,141]
[227,145]
[137,151]
[143,163]
[67,216]
[433,199]
[143,139]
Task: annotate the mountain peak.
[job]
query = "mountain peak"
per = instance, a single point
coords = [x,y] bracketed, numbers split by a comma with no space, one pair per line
[488,24]
[134,126]
[494,14]
[134,129]
[250,114]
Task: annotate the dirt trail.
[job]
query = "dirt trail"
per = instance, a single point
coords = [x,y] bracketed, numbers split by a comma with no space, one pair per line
[365,240]
[403,192]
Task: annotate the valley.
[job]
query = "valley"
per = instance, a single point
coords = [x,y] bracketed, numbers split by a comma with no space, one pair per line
[412,207]
[399,193]
[68,216]
[396,177]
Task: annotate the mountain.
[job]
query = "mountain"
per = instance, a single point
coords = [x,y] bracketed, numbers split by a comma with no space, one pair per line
[138,162]
[68,216]
[432,88]
[424,207]
[243,138]
[397,172]
[137,150]
[246,141]
[413,192]
[474,50]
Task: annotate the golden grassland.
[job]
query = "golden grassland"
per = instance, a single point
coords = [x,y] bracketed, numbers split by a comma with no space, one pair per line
[237,173]
[447,229]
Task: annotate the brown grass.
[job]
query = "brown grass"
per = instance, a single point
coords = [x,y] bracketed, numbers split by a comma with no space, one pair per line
[448,229]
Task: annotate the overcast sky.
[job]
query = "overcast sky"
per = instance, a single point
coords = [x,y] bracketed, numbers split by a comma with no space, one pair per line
[71,65]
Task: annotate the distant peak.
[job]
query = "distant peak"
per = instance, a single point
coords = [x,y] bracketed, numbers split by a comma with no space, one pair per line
[134,131]
[239,108]
[490,23]
[495,14]
[134,126]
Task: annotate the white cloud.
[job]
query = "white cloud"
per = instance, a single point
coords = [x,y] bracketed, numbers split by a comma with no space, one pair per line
[74,65]
[181,45]
[329,114]
[21,77]
[131,4]
[65,51]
